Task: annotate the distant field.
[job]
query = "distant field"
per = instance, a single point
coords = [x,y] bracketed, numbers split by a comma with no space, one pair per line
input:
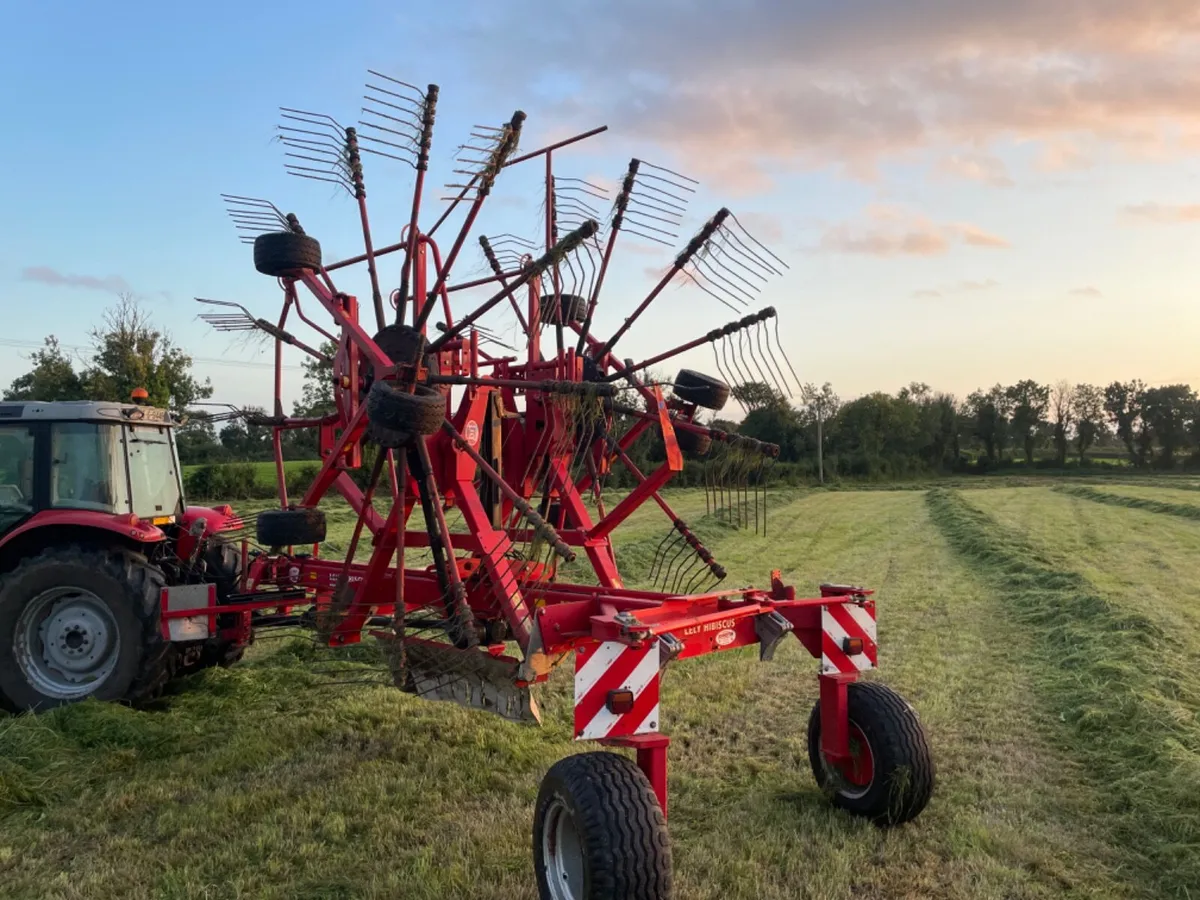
[1050,642]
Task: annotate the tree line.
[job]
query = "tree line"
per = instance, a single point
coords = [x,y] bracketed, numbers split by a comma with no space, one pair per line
[916,430]
[920,430]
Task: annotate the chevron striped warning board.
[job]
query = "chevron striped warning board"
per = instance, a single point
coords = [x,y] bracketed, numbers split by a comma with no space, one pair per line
[848,638]
[603,674]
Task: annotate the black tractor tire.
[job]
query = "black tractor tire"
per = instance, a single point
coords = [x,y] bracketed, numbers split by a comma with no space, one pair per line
[223,567]
[623,848]
[398,417]
[279,253]
[126,585]
[702,390]
[903,771]
[574,309]
[692,443]
[288,527]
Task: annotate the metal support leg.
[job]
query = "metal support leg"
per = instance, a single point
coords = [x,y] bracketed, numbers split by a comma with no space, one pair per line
[651,759]
[835,717]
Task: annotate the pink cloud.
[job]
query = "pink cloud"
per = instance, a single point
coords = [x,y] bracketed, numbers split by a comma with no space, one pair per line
[747,89]
[982,167]
[1163,214]
[888,231]
[46,275]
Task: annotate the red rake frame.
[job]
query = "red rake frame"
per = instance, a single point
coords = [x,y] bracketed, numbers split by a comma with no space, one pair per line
[635,633]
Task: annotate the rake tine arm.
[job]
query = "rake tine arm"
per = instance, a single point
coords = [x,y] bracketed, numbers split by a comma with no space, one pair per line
[712,336]
[694,246]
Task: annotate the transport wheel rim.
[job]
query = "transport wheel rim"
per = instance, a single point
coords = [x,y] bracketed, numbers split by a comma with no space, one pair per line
[563,852]
[67,642]
[857,774]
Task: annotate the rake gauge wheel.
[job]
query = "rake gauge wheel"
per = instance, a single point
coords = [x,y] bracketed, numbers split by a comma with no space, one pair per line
[574,309]
[702,390]
[692,443]
[280,253]
[285,527]
[397,417]
[599,833]
[889,778]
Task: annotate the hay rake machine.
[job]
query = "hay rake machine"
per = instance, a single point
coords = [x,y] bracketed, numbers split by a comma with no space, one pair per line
[488,469]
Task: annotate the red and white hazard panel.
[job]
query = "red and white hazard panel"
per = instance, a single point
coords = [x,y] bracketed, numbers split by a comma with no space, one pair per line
[616,690]
[848,638]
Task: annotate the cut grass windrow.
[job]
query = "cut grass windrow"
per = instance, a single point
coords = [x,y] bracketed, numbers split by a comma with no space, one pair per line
[1125,694]
[1182,510]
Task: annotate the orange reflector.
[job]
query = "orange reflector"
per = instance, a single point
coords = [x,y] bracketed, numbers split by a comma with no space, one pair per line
[851,646]
[162,520]
[620,702]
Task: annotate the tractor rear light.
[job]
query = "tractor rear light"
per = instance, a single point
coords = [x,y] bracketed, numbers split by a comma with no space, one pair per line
[620,702]
[133,520]
[852,646]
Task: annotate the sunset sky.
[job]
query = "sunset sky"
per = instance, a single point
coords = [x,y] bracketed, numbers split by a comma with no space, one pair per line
[964,192]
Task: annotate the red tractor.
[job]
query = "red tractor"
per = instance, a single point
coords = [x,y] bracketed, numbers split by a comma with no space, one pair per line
[95,543]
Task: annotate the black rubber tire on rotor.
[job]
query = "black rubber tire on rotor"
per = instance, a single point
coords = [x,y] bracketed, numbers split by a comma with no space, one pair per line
[398,417]
[626,852]
[287,527]
[903,765]
[693,443]
[132,590]
[574,309]
[279,253]
[702,390]
[400,343]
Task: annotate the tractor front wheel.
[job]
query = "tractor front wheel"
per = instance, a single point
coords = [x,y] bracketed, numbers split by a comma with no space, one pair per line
[599,833]
[889,776]
[78,623]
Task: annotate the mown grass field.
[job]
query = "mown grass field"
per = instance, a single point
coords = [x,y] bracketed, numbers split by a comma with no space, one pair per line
[1048,635]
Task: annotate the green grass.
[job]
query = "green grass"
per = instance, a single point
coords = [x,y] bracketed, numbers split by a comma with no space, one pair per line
[262,782]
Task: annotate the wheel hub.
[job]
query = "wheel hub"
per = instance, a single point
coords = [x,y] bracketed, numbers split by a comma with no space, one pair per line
[67,642]
[563,852]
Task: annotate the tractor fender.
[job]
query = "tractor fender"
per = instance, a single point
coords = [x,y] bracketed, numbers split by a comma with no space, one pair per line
[216,519]
[59,526]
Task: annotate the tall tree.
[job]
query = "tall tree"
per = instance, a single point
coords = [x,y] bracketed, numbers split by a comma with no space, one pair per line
[1168,413]
[53,377]
[1029,402]
[1123,403]
[988,412]
[822,404]
[1087,406]
[1062,418]
[128,352]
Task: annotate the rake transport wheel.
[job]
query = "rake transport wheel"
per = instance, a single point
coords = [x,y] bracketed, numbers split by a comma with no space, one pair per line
[277,253]
[81,622]
[574,309]
[599,833]
[703,390]
[285,527]
[889,778]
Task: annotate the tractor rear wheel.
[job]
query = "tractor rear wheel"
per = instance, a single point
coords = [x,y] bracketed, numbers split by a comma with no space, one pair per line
[599,833]
[889,778]
[81,622]
[702,390]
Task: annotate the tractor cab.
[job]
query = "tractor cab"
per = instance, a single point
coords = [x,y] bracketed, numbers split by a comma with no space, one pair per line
[94,461]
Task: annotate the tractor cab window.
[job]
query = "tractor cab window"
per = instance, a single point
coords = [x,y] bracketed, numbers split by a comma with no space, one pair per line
[87,470]
[16,473]
[153,471]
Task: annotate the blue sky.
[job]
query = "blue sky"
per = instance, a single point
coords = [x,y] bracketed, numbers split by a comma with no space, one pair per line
[963,194]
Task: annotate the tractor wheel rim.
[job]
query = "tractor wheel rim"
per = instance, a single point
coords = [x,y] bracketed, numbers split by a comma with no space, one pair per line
[563,852]
[857,774]
[67,643]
